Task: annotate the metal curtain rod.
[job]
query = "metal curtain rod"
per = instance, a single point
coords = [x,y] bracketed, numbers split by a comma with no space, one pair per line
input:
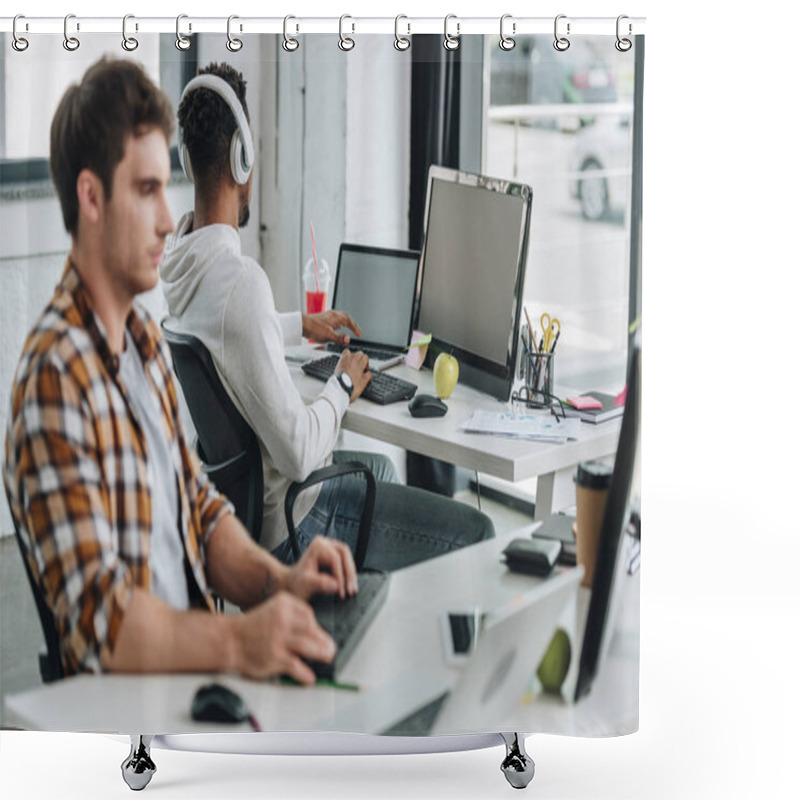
[452,24]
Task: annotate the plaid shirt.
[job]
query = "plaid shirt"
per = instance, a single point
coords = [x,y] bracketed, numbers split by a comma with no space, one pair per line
[76,474]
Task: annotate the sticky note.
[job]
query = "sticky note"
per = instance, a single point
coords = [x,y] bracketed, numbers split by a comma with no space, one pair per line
[586,401]
[417,350]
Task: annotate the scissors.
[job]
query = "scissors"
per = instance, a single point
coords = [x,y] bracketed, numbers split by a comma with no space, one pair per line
[551,327]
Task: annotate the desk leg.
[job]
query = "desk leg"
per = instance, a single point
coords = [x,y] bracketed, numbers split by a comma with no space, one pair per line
[138,768]
[554,491]
[517,766]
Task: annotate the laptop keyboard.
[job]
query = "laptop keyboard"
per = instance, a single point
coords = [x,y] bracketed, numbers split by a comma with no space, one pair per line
[347,620]
[420,722]
[382,389]
[372,353]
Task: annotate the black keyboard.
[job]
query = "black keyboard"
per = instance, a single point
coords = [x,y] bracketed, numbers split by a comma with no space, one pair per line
[382,389]
[372,353]
[347,620]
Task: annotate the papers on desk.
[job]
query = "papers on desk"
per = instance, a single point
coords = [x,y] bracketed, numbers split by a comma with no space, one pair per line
[536,427]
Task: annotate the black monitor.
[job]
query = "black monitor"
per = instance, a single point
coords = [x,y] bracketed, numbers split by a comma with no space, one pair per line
[598,627]
[472,270]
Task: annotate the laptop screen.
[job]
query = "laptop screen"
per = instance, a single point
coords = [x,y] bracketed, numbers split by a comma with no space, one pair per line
[376,287]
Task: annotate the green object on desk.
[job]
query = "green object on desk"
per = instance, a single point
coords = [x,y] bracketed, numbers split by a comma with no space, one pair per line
[348,687]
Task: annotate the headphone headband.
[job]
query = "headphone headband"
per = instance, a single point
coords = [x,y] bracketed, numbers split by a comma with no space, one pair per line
[242,164]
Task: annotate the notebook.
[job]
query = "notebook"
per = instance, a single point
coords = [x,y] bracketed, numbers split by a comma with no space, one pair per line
[492,681]
[607,409]
[377,286]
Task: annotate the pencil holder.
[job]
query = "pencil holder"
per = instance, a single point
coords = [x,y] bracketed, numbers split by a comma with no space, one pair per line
[538,378]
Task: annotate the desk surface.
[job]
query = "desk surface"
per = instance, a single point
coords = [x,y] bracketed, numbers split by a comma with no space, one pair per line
[402,649]
[510,459]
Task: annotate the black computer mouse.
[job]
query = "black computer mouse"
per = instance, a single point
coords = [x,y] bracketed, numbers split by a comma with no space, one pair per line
[426,405]
[216,703]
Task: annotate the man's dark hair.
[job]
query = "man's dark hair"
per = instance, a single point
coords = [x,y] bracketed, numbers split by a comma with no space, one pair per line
[207,125]
[114,100]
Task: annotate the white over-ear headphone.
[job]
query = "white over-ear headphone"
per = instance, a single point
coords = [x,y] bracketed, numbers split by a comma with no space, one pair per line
[242,152]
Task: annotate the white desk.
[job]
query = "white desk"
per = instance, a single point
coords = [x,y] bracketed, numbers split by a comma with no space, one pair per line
[402,647]
[510,459]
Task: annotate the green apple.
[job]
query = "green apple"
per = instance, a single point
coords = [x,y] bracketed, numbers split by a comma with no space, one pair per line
[555,664]
[445,375]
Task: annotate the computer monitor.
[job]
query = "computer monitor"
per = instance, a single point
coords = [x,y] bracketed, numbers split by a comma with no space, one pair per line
[472,270]
[605,584]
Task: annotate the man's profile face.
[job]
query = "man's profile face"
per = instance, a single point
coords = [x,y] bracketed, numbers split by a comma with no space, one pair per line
[136,219]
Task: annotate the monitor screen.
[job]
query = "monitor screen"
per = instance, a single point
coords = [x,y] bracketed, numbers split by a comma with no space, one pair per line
[472,269]
[605,584]
[376,286]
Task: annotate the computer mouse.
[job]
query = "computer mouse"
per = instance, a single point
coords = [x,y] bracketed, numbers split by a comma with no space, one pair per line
[216,703]
[426,405]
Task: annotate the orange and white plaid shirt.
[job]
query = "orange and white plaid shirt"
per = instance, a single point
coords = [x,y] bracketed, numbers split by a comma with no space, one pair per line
[76,474]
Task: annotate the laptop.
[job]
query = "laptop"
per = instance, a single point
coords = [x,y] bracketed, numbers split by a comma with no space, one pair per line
[494,679]
[377,286]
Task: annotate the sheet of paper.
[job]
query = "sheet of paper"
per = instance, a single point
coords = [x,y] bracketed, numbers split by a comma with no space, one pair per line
[525,425]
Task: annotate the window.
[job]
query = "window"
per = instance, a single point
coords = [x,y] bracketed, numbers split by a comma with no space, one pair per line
[36,79]
[563,123]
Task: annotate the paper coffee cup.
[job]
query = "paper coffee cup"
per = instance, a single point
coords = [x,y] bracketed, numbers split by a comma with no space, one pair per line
[591,491]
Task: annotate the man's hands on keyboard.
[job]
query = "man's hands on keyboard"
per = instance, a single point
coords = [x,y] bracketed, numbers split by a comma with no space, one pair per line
[356,365]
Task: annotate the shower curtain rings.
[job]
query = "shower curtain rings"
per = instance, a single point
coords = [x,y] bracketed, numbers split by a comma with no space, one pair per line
[345,42]
[233,44]
[128,42]
[181,42]
[506,42]
[71,43]
[623,45]
[290,44]
[400,42]
[18,43]
[451,42]
[561,43]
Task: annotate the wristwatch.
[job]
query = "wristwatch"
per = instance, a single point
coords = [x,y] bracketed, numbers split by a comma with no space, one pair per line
[346,382]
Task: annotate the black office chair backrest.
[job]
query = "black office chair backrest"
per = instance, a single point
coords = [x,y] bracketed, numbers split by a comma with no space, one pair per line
[226,443]
[50,666]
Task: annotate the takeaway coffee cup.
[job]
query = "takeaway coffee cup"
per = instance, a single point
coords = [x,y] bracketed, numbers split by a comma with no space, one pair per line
[591,490]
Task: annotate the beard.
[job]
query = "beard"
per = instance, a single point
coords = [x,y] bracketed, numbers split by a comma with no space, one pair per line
[244,215]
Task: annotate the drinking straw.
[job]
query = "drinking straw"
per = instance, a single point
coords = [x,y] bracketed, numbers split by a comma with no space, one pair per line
[314,253]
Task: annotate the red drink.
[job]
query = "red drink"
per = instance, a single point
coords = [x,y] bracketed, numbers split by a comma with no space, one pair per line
[316,302]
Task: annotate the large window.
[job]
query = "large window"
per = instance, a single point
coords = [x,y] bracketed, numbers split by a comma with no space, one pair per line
[563,123]
[32,83]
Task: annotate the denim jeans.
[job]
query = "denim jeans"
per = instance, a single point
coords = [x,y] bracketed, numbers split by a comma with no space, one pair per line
[408,525]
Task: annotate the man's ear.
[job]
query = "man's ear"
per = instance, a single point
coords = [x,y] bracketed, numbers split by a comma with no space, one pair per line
[91,195]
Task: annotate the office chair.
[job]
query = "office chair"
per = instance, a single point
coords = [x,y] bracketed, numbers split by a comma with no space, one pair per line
[229,449]
[50,666]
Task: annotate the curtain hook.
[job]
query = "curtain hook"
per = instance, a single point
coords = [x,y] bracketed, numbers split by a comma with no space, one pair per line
[290,44]
[128,42]
[233,44]
[506,42]
[451,42]
[19,43]
[71,43]
[623,45]
[346,42]
[181,42]
[561,43]
[400,42]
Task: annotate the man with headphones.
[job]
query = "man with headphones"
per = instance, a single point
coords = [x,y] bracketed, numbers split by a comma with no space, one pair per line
[222,296]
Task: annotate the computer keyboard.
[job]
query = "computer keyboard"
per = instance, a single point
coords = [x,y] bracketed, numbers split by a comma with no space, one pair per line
[382,389]
[347,620]
[372,353]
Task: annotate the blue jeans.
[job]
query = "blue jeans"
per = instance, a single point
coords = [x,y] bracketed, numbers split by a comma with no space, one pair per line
[409,524]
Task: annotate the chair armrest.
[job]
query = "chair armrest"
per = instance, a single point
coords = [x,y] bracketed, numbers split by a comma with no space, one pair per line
[325,474]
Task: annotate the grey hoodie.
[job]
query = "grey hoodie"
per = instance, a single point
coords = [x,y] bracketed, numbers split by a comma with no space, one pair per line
[225,299]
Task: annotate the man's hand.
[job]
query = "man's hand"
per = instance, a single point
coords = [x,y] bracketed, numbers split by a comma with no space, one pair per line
[274,637]
[323,327]
[356,365]
[326,567]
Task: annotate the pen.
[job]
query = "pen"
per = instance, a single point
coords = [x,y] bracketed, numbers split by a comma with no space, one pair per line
[530,327]
[555,341]
[331,684]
